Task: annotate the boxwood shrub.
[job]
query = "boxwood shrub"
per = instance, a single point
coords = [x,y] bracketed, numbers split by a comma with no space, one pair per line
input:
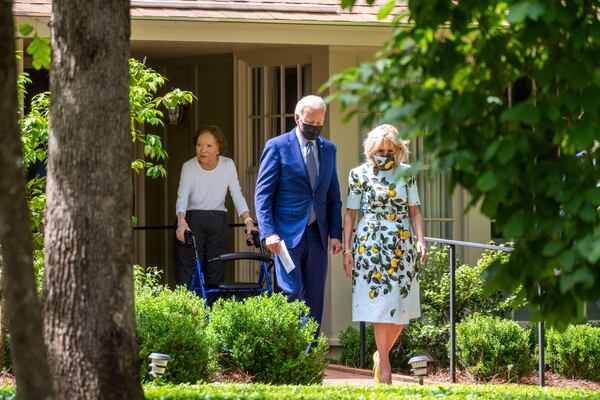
[173,322]
[488,346]
[267,337]
[574,352]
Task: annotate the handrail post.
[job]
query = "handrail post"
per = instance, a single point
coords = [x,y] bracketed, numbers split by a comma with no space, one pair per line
[541,341]
[362,345]
[541,362]
[452,262]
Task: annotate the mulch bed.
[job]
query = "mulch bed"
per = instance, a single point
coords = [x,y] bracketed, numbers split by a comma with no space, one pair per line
[6,379]
[230,376]
[551,379]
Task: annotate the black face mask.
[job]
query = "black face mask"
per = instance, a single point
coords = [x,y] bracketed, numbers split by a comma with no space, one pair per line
[311,132]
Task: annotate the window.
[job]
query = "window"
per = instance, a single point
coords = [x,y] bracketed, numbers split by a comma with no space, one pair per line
[436,200]
[273,114]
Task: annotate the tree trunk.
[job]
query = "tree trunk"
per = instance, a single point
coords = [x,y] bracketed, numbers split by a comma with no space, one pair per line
[88,283]
[23,308]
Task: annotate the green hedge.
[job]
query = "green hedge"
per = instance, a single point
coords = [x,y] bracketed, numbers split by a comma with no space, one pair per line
[383,392]
[267,392]
[489,346]
[574,352]
[267,337]
[173,322]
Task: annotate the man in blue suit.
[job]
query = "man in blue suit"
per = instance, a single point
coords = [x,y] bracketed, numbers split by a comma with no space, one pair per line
[298,201]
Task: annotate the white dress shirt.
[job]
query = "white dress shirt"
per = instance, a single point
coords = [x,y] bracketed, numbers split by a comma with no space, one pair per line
[304,150]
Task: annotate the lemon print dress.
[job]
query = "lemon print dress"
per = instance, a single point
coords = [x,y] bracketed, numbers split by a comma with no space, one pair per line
[385,285]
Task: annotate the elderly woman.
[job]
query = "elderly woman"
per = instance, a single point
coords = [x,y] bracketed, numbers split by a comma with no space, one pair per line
[385,287]
[203,185]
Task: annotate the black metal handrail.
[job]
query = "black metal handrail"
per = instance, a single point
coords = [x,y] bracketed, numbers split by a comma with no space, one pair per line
[167,227]
[452,266]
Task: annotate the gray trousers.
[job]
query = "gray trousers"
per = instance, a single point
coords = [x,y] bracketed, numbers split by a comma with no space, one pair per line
[211,229]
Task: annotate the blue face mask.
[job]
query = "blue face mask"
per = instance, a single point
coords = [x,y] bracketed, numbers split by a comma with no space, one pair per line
[384,161]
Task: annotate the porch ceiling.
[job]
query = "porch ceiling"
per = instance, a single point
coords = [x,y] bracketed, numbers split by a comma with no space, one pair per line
[290,11]
[175,49]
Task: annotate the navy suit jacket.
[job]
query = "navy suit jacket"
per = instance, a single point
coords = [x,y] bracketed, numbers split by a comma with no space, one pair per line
[284,194]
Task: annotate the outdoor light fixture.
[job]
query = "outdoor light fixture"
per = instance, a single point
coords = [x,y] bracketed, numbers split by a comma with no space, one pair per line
[175,115]
[158,364]
[419,366]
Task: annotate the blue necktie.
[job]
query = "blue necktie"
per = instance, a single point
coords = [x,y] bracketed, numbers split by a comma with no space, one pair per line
[311,166]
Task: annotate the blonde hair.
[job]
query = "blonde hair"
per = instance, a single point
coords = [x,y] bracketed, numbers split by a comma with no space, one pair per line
[385,134]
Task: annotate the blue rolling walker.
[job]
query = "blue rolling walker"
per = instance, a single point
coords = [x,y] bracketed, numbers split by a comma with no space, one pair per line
[262,285]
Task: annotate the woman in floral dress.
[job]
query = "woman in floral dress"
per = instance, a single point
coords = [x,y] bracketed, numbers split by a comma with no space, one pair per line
[385,287]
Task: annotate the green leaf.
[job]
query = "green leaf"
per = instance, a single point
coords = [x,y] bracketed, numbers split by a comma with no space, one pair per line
[589,247]
[487,181]
[584,134]
[593,195]
[25,29]
[386,9]
[525,9]
[515,226]
[581,275]
[507,152]
[491,150]
[461,77]
[39,49]
[348,3]
[551,249]
[525,112]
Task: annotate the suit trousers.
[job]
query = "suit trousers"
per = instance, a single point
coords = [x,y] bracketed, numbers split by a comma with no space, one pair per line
[306,281]
[211,228]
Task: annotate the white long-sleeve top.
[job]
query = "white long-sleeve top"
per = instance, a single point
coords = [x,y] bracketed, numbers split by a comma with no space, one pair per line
[200,189]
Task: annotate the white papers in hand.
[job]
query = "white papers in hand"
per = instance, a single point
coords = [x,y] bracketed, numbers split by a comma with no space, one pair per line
[285,258]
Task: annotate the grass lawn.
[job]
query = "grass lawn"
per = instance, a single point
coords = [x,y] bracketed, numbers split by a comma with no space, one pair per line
[257,391]
[229,391]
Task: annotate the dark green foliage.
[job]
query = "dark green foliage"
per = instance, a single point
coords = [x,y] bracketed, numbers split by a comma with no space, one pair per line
[489,346]
[434,281]
[574,352]
[505,95]
[172,322]
[266,337]
[380,392]
[350,342]
[432,332]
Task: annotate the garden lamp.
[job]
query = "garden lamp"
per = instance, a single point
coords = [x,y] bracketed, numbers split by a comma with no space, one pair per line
[175,114]
[158,364]
[419,366]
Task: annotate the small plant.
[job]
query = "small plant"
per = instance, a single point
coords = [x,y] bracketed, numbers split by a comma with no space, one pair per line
[350,341]
[575,352]
[486,346]
[172,322]
[268,337]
